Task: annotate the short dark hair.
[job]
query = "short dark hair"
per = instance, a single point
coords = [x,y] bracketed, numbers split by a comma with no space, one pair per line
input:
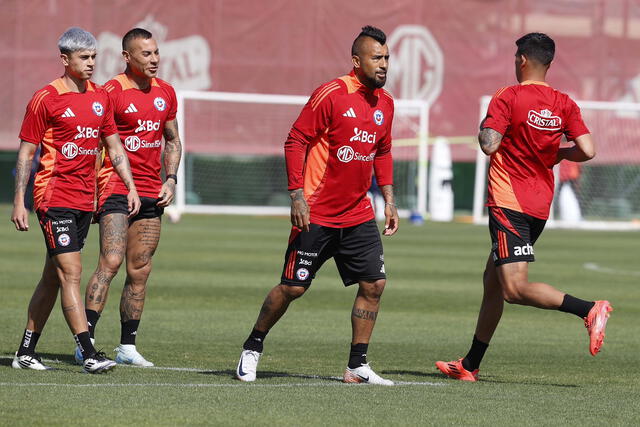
[537,46]
[368,31]
[136,33]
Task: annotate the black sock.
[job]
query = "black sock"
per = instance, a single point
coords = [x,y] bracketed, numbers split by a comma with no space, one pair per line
[83,341]
[576,306]
[255,342]
[128,331]
[358,355]
[92,320]
[472,360]
[28,343]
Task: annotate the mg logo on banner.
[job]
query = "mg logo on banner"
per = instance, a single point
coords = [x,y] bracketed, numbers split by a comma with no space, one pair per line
[184,62]
[417,64]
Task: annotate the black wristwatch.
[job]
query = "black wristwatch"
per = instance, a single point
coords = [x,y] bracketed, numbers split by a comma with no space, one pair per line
[172,175]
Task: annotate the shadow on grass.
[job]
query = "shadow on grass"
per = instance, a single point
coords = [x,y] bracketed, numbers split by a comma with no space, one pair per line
[272,374]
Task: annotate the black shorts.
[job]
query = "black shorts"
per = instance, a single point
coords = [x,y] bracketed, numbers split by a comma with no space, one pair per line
[513,235]
[117,203]
[357,252]
[65,230]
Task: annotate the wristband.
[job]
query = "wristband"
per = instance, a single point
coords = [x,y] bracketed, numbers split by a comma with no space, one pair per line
[390,204]
[172,175]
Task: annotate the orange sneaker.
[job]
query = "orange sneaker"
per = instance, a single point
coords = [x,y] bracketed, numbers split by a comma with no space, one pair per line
[456,371]
[596,322]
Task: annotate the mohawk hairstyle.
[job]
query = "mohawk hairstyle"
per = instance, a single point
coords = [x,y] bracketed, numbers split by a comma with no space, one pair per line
[537,46]
[136,33]
[368,31]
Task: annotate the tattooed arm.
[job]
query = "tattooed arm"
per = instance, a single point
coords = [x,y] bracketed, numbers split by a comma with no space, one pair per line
[390,211]
[299,210]
[120,163]
[20,215]
[172,154]
[489,140]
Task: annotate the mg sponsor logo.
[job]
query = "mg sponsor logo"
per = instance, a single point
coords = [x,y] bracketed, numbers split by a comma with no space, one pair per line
[70,150]
[543,120]
[418,64]
[346,154]
[86,132]
[132,143]
[147,125]
[523,250]
[363,136]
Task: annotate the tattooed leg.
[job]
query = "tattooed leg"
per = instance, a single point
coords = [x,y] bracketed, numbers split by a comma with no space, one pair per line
[365,310]
[276,304]
[113,244]
[144,236]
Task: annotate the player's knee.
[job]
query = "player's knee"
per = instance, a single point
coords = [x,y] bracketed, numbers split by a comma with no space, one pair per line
[139,273]
[512,294]
[373,290]
[110,264]
[292,292]
[70,275]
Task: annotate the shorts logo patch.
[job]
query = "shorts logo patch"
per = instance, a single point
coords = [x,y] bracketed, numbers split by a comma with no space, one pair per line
[98,109]
[160,104]
[523,250]
[302,274]
[382,269]
[378,117]
[64,239]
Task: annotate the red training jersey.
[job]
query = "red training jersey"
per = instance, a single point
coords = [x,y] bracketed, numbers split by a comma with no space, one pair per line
[532,117]
[68,126]
[140,116]
[342,134]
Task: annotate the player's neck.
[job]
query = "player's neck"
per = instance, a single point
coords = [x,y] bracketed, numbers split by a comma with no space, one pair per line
[139,82]
[74,84]
[534,76]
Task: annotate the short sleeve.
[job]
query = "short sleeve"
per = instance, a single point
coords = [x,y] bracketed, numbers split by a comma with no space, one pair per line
[108,127]
[499,111]
[36,119]
[574,125]
[173,103]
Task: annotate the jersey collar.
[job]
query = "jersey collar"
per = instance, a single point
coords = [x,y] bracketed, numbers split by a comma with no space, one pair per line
[62,88]
[354,85]
[534,82]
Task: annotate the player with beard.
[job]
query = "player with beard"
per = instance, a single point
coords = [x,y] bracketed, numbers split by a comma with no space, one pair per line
[144,109]
[67,119]
[342,134]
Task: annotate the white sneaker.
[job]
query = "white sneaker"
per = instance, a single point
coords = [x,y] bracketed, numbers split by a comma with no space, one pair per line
[29,361]
[247,366]
[126,354]
[364,374]
[97,363]
[78,354]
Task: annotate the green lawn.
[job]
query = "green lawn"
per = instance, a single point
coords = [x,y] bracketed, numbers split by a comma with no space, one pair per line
[211,274]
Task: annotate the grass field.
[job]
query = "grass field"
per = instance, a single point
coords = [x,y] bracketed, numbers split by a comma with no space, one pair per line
[211,274]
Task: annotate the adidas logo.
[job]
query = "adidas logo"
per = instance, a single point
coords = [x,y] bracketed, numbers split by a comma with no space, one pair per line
[68,113]
[131,109]
[350,113]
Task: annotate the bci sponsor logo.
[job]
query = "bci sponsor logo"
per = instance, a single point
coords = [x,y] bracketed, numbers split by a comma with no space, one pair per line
[86,132]
[304,262]
[147,125]
[70,150]
[133,143]
[543,120]
[363,136]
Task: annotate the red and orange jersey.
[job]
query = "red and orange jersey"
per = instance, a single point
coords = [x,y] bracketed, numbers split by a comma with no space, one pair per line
[68,126]
[532,117]
[140,116]
[342,134]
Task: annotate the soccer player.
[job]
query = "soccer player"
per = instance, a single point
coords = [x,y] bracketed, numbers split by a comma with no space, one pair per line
[522,133]
[342,134]
[144,109]
[67,118]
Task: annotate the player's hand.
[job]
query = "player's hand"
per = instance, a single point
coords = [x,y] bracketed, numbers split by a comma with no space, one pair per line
[20,217]
[133,203]
[299,210]
[391,219]
[167,193]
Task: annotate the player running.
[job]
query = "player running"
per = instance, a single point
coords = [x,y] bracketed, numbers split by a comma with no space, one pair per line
[144,109]
[341,135]
[522,133]
[67,118]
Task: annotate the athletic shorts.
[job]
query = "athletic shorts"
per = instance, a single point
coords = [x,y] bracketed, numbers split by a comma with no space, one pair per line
[357,252]
[513,235]
[117,203]
[65,230]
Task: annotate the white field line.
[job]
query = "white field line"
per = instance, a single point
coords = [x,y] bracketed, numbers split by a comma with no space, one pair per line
[595,267]
[329,381]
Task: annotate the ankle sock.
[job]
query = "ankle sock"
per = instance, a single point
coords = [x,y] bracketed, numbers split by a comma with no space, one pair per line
[358,355]
[129,331]
[255,342]
[28,343]
[472,360]
[576,306]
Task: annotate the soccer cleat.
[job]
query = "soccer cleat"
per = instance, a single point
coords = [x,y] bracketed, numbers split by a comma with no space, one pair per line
[364,374]
[29,361]
[456,371]
[126,354]
[596,322]
[247,365]
[98,363]
[78,354]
